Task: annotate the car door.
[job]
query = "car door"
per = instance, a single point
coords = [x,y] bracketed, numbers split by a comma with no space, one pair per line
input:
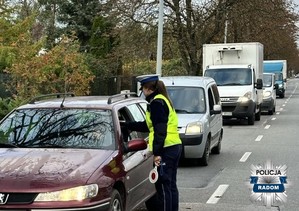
[137,164]
[215,119]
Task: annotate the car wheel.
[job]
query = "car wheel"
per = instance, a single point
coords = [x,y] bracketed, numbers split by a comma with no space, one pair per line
[217,149]
[270,112]
[251,120]
[206,154]
[258,115]
[116,203]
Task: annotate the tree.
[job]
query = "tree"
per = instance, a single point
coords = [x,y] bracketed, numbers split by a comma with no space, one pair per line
[62,69]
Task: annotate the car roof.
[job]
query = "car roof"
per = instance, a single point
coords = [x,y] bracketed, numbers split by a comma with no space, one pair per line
[105,102]
[197,81]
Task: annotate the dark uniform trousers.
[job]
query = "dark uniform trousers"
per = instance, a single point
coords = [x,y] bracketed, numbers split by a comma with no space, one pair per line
[167,196]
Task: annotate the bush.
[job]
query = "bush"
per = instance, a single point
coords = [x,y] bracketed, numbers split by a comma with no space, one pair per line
[7,105]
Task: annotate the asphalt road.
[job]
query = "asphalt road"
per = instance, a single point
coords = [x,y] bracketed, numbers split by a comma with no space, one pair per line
[225,184]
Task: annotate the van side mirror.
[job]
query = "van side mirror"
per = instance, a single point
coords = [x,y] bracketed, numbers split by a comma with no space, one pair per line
[259,83]
[216,109]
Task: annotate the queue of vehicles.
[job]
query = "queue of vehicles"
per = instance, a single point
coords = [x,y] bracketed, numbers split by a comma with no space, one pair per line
[62,152]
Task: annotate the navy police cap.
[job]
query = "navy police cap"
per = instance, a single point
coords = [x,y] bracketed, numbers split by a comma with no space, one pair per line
[147,78]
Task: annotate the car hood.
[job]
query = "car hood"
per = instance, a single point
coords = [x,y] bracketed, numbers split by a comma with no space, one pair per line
[34,169]
[185,119]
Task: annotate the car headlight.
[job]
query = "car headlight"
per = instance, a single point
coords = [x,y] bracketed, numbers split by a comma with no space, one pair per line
[194,128]
[78,194]
[267,93]
[280,85]
[245,98]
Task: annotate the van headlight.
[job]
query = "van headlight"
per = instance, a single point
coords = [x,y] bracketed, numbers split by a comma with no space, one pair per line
[194,128]
[78,194]
[266,94]
[245,98]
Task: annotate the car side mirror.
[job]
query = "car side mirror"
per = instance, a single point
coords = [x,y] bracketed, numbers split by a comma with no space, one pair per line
[275,86]
[259,83]
[135,145]
[216,109]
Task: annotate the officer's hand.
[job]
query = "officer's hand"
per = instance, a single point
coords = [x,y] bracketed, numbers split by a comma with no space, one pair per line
[157,160]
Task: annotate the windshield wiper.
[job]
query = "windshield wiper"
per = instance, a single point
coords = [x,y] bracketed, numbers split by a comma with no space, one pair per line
[6,145]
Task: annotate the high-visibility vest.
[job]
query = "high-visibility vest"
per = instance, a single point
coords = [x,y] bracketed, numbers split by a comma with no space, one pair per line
[172,136]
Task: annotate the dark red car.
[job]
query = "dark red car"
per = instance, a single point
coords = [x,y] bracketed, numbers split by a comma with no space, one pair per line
[70,153]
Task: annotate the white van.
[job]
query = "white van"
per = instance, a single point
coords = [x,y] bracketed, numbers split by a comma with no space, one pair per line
[198,106]
[269,93]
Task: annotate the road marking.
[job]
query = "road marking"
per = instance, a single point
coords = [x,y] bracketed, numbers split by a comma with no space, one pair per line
[277,113]
[245,156]
[281,109]
[267,127]
[273,118]
[283,105]
[259,138]
[217,194]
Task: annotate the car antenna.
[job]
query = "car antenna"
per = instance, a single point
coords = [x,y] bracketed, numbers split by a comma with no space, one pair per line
[65,93]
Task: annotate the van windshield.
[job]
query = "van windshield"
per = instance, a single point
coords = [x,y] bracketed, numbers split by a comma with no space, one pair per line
[230,76]
[187,99]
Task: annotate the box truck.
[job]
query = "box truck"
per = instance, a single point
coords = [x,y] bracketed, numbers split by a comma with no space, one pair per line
[279,68]
[237,69]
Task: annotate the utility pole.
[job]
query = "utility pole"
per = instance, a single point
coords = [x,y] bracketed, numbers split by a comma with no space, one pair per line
[160,38]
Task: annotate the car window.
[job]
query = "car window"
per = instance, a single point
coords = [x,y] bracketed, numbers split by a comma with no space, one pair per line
[62,128]
[144,107]
[216,94]
[136,113]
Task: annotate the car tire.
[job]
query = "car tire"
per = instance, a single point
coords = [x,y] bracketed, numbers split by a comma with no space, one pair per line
[251,120]
[204,160]
[217,148]
[116,203]
[258,115]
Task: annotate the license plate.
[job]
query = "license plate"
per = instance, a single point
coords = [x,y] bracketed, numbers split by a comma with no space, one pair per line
[227,113]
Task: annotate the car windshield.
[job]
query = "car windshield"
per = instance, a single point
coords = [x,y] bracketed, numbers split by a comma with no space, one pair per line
[267,80]
[187,99]
[230,76]
[58,128]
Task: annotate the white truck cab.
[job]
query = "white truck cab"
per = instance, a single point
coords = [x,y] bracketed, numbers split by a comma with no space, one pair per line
[237,69]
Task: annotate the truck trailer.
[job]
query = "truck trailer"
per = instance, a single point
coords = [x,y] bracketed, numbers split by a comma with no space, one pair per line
[237,69]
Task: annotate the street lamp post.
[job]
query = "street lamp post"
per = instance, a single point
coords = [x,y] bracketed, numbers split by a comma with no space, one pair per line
[160,38]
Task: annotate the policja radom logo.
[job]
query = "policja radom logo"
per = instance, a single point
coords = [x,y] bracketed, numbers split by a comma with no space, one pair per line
[268,184]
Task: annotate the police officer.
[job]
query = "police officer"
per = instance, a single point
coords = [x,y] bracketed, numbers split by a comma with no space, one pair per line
[164,141]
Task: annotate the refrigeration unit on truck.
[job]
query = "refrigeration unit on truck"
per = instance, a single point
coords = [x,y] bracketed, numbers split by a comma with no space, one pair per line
[237,69]
[279,68]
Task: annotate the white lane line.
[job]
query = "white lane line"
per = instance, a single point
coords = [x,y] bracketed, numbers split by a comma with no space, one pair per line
[245,156]
[283,105]
[277,113]
[217,194]
[267,127]
[281,109]
[274,118]
[259,138]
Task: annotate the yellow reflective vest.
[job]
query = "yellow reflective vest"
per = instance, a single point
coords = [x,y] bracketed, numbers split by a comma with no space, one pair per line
[172,137]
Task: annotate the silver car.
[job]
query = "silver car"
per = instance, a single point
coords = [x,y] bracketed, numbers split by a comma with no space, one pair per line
[198,106]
